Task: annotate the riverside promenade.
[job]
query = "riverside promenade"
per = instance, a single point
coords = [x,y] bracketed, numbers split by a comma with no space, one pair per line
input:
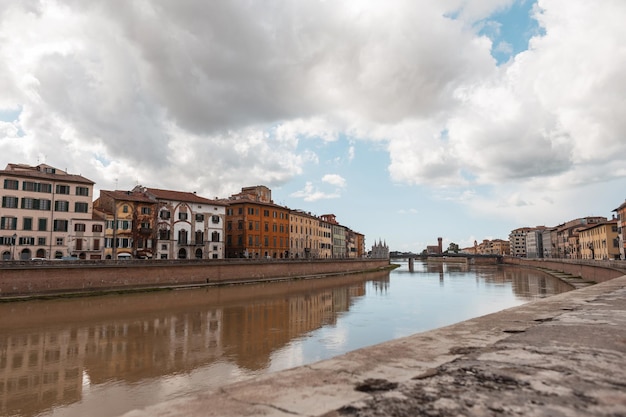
[560,356]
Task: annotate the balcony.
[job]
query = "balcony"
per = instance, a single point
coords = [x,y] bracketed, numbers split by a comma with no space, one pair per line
[145,230]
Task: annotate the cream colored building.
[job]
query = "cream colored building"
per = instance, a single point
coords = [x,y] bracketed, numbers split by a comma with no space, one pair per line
[47,213]
[304,235]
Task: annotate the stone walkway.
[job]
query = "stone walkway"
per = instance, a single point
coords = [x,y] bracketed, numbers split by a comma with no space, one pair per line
[560,356]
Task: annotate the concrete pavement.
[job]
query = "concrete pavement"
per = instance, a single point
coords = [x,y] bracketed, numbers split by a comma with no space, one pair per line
[560,356]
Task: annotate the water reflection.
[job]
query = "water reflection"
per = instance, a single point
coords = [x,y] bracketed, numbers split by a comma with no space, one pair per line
[71,357]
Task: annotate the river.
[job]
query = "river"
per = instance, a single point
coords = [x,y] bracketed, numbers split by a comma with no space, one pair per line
[107,355]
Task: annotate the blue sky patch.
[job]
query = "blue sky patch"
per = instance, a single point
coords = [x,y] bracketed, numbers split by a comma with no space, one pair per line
[510,30]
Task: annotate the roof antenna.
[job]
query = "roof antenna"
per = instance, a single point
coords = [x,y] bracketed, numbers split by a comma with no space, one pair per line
[116,183]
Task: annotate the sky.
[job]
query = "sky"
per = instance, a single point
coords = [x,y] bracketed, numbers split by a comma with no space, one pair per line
[408,120]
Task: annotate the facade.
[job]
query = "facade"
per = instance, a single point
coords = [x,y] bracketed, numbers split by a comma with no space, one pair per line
[517,241]
[187,226]
[380,250]
[600,241]
[534,243]
[621,229]
[255,226]
[338,233]
[326,239]
[304,235]
[47,213]
[567,241]
[130,219]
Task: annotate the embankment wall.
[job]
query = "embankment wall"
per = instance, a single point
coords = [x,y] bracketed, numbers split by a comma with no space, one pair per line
[598,271]
[20,279]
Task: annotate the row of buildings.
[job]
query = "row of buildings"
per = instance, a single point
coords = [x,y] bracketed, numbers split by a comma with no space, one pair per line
[51,214]
[592,237]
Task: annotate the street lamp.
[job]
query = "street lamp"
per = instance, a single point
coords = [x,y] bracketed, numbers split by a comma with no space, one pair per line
[13,242]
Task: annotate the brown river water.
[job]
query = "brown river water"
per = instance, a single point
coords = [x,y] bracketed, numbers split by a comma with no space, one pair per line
[107,355]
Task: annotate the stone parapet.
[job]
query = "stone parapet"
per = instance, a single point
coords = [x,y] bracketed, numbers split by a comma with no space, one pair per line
[28,279]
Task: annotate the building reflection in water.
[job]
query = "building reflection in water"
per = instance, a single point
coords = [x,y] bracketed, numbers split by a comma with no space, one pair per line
[52,352]
[45,362]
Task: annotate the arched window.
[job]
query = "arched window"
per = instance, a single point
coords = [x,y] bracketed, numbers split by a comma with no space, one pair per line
[199,237]
[215,237]
[182,253]
[198,253]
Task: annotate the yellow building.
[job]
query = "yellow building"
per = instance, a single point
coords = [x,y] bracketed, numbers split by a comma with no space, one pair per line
[600,241]
[130,218]
[304,231]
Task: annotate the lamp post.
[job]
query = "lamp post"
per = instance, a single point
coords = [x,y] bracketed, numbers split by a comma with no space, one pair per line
[13,242]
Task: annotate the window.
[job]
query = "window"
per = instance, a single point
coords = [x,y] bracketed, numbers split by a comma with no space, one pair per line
[215,219]
[96,244]
[81,207]
[60,226]
[250,226]
[182,216]
[215,237]
[250,211]
[27,241]
[110,224]
[11,184]
[79,244]
[62,189]
[266,213]
[145,225]
[125,208]
[108,242]
[44,204]
[240,225]
[82,191]
[199,217]
[79,227]
[28,223]
[240,210]
[42,224]
[229,212]
[59,241]
[28,203]
[9,202]
[229,225]
[165,214]
[124,225]
[182,237]
[199,237]
[164,234]
[163,247]
[8,223]
[96,228]
[41,241]
[145,210]
[249,240]
[61,205]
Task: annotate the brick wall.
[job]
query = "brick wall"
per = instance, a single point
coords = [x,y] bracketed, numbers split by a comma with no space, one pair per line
[24,278]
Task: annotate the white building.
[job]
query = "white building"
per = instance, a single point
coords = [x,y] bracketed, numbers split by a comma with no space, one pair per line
[188,226]
[47,213]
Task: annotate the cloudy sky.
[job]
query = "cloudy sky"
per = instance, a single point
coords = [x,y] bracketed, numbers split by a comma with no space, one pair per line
[408,120]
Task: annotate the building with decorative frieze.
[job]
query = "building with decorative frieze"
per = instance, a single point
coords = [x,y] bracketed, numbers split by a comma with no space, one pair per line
[188,226]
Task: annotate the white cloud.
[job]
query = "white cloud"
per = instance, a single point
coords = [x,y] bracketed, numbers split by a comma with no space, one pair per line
[334,179]
[310,193]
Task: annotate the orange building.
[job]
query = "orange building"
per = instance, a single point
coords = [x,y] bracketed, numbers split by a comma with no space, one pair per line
[255,226]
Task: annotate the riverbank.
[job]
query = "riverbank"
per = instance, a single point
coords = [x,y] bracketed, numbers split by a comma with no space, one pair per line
[30,280]
[563,355]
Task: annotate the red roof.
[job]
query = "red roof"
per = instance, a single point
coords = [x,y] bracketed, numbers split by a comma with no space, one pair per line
[182,196]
